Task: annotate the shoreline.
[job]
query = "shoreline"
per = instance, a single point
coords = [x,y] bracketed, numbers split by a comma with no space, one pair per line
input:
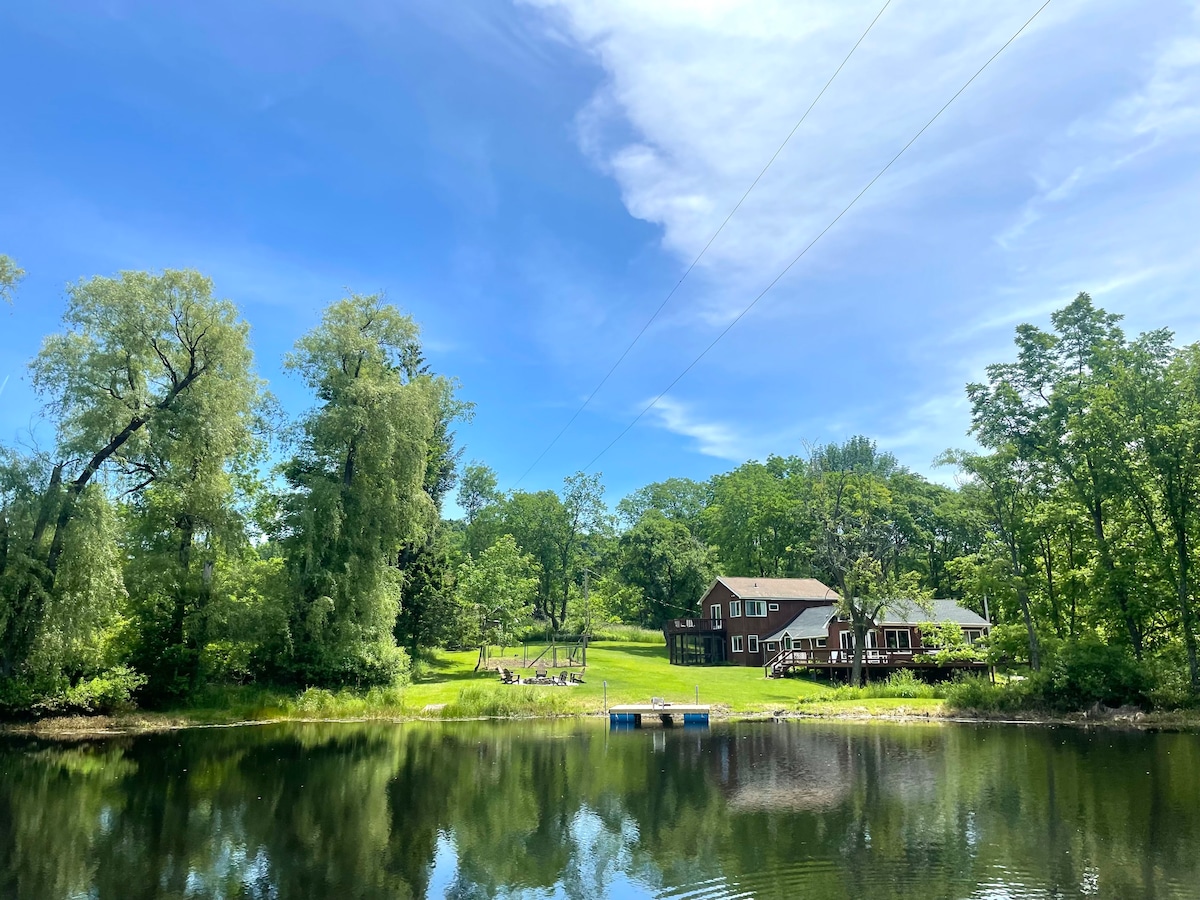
[135,724]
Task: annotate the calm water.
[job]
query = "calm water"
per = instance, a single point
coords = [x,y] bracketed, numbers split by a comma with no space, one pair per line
[569,810]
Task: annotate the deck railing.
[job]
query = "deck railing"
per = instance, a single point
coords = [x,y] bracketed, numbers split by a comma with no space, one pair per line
[786,659]
[688,626]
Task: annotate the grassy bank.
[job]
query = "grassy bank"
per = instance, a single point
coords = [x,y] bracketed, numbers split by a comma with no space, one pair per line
[447,687]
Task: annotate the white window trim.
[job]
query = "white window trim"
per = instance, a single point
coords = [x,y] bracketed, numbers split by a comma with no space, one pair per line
[760,607]
[772,607]
[971,635]
[735,644]
[904,631]
[846,641]
[715,612]
[735,609]
[752,643]
[821,642]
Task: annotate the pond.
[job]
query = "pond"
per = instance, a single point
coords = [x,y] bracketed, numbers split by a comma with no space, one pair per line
[569,809]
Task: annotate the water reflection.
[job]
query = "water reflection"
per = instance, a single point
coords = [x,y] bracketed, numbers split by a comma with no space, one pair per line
[570,810]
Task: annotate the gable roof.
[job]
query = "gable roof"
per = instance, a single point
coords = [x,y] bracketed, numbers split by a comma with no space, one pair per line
[812,623]
[939,611]
[778,588]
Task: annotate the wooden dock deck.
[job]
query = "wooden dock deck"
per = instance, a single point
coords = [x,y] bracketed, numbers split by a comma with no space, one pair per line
[631,714]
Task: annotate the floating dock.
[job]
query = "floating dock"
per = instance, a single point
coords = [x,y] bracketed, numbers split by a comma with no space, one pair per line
[630,715]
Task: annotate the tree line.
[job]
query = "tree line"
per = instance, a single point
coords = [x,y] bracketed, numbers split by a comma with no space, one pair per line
[181,531]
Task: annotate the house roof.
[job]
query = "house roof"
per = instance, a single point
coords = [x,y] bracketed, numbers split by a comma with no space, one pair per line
[778,588]
[812,623]
[939,611]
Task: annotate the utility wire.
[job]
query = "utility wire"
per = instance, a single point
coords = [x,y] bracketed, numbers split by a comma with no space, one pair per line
[637,337]
[810,244]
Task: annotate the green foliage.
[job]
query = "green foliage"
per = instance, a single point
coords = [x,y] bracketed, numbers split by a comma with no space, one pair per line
[10,276]
[508,702]
[631,634]
[1083,673]
[668,566]
[904,684]
[495,593]
[107,692]
[1088,670]
[945,645]
[359,495]
[976,693]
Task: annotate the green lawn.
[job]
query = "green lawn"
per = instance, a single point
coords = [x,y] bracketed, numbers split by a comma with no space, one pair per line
[446,685]
[634,672]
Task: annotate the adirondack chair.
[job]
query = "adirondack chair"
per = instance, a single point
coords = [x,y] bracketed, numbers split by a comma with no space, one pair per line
[540,674]
[508,677]
[577,678]
[562,677]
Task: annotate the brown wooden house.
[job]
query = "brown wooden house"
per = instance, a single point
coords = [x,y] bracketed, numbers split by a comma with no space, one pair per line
[788,623]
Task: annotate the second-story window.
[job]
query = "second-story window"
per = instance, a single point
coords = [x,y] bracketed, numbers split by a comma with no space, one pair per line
[735,609]
[756,608]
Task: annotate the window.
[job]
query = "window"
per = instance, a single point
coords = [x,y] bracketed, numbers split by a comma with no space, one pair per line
[897,639]
[756,608]
[787,642]
[848,640]
[752,642]
[972,634]
[737,643]
[735,609]
[773,607]
[821,642]
[772,646]
[715,611]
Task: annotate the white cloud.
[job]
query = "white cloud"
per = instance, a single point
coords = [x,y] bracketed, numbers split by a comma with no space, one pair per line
[710,438]
[1068,166]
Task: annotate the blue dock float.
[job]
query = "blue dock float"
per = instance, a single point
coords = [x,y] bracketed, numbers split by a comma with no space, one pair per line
[631,715]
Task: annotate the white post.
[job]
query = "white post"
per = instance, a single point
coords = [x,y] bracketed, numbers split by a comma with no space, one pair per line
[606,696]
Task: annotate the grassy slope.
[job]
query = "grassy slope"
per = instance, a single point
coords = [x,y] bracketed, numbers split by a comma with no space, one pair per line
[635,673]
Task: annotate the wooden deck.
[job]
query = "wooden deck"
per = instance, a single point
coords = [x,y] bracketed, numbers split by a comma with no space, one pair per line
[631,714]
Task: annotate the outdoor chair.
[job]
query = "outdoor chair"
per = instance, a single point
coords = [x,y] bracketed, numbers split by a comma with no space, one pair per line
[562,677]
[657,702]
[540,674]
[577,678]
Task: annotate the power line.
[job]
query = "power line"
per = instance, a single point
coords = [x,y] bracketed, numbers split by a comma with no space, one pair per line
[820,235]
[637,337]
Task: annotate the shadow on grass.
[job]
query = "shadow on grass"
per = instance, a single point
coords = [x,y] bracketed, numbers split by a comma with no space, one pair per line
[438,669]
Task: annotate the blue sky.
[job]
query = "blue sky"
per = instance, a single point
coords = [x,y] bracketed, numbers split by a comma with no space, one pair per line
[530,180]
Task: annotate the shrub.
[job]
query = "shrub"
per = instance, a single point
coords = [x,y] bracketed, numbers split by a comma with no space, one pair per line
[1087,671]
[108,692]
[976,693]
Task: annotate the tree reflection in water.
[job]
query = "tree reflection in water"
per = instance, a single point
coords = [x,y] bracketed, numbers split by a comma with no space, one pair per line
[568,809]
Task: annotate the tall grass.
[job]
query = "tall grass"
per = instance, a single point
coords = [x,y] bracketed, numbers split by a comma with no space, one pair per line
[377,703]
[510,702]
[632,634]
[903,684]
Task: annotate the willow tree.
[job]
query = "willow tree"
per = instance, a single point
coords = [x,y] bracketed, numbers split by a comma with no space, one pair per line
[136,353]
[359,495]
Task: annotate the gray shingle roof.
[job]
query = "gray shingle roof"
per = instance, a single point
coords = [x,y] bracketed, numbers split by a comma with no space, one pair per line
[812,623]
[939,611]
